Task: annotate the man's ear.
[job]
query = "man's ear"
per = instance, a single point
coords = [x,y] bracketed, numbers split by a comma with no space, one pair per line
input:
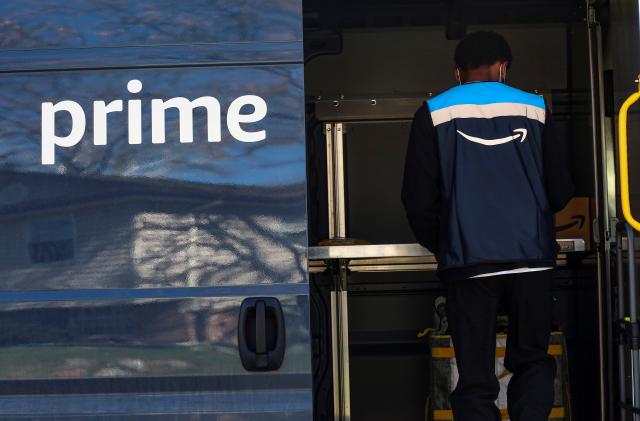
[504,66]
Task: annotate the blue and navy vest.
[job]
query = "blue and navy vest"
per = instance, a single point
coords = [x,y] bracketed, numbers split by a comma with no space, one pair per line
[495,207]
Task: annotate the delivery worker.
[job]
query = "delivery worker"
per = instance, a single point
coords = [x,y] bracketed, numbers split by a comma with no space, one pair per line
[484,175]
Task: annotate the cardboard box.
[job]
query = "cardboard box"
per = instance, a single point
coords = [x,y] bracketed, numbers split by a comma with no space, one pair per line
[574,221]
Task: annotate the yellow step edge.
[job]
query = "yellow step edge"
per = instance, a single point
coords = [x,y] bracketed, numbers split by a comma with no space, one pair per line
[447,414]
[447,352]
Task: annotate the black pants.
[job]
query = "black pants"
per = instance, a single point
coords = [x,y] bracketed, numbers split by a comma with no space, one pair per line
[472,308]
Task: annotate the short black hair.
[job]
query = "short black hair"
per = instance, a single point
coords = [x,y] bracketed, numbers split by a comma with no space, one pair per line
[481,48]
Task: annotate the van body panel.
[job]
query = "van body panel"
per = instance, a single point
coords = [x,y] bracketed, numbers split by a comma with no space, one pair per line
[266,405]
[164,205]
[125,261]
[36,24]
[139,338]
[218,54]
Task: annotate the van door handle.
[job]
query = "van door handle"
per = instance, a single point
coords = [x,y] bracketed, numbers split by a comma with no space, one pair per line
[623,159]
[261,334]
[261,327]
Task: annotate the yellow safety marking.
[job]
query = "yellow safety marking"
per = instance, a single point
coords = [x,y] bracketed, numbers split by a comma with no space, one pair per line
[448,352]
[447,414]
[498,335]
[624,159]
[440,352]
[555,350]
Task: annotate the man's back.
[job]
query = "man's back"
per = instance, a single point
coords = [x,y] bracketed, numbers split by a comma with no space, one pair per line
[491,143]
[495,208]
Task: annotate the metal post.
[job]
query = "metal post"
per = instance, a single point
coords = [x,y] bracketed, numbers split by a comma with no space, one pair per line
[334,134]
[340,344]
[622,351]
[339,181]
[602,216]
[329,137]
[633,320]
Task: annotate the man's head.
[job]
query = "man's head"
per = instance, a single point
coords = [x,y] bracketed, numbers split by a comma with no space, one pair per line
[482,56]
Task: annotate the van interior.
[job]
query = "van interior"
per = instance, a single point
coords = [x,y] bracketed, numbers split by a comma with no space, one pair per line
[368,66]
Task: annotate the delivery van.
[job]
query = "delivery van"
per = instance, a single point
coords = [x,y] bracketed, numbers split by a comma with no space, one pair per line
[200,202]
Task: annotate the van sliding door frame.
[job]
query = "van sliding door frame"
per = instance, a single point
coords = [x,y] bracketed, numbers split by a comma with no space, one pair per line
[605,214]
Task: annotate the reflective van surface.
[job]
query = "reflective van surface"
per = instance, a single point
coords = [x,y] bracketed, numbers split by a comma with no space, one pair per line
[125,257]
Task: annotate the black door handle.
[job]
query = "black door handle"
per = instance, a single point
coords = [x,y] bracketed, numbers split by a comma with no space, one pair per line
[261,334]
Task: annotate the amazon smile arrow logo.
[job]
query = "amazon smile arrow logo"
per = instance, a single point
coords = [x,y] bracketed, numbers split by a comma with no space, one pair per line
[493,142]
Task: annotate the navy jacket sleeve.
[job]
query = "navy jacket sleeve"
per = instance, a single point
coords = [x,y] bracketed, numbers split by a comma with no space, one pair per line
[557,167]
[421,182]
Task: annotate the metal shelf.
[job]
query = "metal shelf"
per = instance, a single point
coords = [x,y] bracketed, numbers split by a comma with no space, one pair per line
[385,251]
[368,251]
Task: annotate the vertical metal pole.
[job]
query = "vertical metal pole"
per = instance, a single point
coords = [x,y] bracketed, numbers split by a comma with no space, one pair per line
[622,352]
[602,216]
[339,181]
[335,355]
[339,310]
[340,343]
[633,319]
[328,135]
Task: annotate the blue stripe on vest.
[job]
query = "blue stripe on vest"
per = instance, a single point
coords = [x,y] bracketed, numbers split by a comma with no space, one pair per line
[482,93]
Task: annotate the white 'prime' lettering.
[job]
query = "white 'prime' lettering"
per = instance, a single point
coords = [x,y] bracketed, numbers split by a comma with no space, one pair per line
[134,107]
[185,108]
[234,118]
[101,110]
[49,138]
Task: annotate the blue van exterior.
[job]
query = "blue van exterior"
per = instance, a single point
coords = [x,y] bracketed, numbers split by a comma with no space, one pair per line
[125,262]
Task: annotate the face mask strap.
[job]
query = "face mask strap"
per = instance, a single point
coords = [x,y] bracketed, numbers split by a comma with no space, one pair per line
[502,78]
[459,79]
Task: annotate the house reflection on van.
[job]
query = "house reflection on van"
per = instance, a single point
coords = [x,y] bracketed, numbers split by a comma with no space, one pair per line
[82,233]
[112,233]
[143,338]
